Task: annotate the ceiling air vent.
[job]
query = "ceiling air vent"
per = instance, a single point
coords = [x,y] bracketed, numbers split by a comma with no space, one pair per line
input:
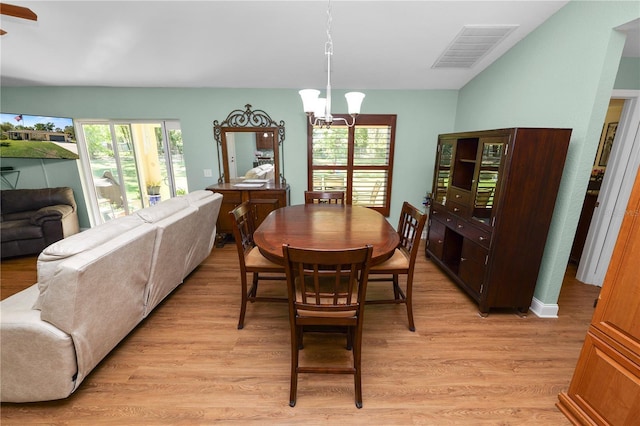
[472,44]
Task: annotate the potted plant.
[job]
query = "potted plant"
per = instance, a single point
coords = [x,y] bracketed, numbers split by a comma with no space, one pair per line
[153,190]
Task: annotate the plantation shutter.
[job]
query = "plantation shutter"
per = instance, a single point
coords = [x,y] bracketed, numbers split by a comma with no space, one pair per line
[357,160]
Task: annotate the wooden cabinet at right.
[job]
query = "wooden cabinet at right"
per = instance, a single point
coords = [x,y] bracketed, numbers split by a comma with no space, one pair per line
[493,197]
[605,388]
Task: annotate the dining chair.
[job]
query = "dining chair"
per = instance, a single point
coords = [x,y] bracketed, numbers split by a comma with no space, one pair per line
[326,290]
[324,197]
[403,260]
[243,218]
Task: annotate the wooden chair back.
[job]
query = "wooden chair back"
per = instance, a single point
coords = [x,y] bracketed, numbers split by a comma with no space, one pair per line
[243,219]
[410,229]
[324,197]
[403,261]
[326,282]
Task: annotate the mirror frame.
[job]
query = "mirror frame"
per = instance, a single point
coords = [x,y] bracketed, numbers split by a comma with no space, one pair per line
[248,121]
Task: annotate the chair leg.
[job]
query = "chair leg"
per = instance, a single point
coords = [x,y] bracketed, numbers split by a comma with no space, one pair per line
[357,377]
[295,348]
[408,302]
[254,287]
[300,337]
[243,301]
[396,287]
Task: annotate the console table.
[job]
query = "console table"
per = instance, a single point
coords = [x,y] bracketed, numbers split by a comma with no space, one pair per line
[268,197]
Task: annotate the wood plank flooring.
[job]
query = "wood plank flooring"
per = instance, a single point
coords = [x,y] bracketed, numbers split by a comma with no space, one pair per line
[187,363]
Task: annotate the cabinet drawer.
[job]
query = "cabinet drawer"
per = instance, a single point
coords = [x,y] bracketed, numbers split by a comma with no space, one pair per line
[440,213]
[435,240]
[281,196]
[234,197]
[477,235]
[458,195]
[458,208]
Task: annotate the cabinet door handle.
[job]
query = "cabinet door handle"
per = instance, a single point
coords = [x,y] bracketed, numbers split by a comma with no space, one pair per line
[440,241]
[460,226]
[455,209]
[463,259]
[449,219]
[458,196]
[482,238]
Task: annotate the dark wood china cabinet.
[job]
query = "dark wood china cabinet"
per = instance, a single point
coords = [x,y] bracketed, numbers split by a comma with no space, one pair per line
[493,197]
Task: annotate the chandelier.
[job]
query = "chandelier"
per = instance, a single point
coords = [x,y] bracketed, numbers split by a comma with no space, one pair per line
[319,109]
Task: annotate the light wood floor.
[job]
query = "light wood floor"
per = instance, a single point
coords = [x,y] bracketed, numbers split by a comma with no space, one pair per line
[188,364]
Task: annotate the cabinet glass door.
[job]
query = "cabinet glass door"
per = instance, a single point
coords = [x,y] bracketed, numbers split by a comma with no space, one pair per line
[488,171]
[443,171]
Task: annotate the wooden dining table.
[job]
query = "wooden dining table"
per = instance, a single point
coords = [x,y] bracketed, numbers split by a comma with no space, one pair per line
[325,227]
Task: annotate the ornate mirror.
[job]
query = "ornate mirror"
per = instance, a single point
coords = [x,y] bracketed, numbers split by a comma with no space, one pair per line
[249,147]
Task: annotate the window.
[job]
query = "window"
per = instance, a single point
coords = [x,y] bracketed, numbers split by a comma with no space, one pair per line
[356,160]
[129,165]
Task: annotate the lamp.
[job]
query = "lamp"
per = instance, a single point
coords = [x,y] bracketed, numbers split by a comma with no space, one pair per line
[319,109]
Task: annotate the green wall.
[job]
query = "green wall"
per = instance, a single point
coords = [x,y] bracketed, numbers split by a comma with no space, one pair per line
[561,75]
[422,115]
[628,77]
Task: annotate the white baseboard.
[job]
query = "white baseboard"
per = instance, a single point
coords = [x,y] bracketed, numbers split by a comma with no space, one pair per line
[544,310]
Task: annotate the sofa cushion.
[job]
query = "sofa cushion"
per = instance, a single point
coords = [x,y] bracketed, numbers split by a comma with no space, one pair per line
[18,200]
[208,204]
[163,210]
[174,237]
[58,252]
[51,213]
[98,296]
[196,195]
[18,215]
[19,230]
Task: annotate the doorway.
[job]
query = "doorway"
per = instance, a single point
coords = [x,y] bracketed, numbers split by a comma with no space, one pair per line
[129,165]
[598,171]
[621,163]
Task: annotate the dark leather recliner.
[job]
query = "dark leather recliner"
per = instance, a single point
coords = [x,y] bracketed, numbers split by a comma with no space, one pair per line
[32,219]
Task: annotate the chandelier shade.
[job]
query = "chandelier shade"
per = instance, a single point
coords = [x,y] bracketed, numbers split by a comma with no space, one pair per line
[309,99]
[354,102]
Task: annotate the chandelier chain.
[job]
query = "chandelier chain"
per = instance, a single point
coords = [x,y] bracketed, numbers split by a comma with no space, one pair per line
[328,46]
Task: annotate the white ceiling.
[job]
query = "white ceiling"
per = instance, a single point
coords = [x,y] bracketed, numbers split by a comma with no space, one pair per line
[252,44]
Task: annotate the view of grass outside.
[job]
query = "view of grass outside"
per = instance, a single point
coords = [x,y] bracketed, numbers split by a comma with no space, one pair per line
[34,149]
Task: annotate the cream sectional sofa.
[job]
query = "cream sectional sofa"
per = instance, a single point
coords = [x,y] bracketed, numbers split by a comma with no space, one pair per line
[94,288]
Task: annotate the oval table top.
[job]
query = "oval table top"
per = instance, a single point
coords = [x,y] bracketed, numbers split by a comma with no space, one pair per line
[325,227]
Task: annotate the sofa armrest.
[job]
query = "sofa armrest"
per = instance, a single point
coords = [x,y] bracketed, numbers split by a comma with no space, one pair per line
[38,359]
[57,212]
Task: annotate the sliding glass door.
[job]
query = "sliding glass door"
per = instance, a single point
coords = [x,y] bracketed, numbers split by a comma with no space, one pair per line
[129,165]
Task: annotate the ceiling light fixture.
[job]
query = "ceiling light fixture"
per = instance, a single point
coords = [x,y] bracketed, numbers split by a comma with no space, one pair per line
[319,109]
